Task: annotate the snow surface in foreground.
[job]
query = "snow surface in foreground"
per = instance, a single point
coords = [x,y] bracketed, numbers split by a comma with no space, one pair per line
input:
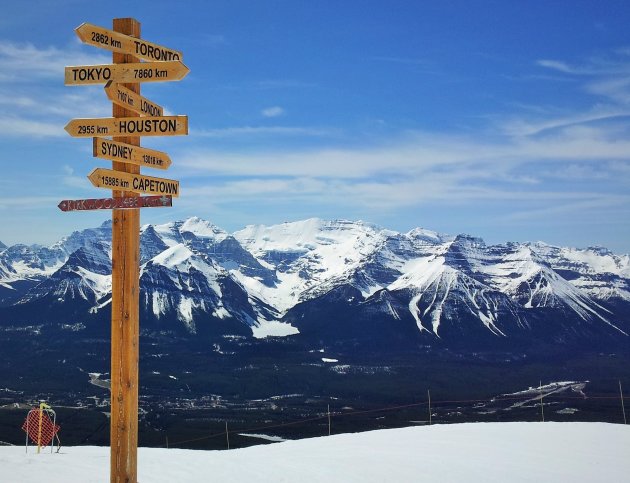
[483,452]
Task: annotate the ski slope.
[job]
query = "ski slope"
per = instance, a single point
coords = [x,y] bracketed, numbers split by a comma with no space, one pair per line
[482,452]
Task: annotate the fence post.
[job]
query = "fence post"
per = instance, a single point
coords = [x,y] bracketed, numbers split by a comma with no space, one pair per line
[227,435]
[39,431]
[429,394]
[542,408]
[623,408]
[328,419]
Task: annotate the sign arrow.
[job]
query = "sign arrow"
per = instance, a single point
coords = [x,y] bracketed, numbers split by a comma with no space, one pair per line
[130,100]
[123,203]
[128,126]
[127,153]
[118,180]
[169,70]
[117,42]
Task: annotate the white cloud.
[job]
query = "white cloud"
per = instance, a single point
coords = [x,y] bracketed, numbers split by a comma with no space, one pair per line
[418,154]
[423,169]
[275,111]
[616,89]
[520,126]
[31,90]
[589,209]
[28,202]
[25,62]
[557,65]
[231,132]
[549,162]
[79,182]
[608,74]
[31,128]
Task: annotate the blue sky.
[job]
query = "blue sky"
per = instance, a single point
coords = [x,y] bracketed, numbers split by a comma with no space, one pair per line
[502,119]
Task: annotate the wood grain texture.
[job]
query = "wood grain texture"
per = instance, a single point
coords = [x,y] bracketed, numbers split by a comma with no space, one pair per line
[125,303]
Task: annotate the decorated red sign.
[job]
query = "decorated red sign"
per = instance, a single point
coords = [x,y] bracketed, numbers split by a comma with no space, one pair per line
[126,202]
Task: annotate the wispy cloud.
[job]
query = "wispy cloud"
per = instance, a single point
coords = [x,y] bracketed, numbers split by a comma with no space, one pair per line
[539,123]
[269,84]
[26,62]
[418,153]
[565,211]
[567,167]
[616,89]
[606,74]
[274,111]
[34,105]
[605,78]
[46,102]
[594,66]
[30,128]
[558,65]
[27,202]
[240,131]
[210,40]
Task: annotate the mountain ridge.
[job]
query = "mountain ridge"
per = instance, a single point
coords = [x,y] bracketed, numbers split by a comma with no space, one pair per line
[280,279]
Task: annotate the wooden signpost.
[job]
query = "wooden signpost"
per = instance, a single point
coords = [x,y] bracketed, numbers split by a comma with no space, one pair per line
[133,116]
[124,203]
[167,70]
[124,44]
[126,98]
[127,153]
[125,126]
[110,179]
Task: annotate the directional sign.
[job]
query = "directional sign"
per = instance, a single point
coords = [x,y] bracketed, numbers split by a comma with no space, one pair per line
[126,202]
[130,100]
[128,126]
[169,70]
[118,180]
[128,153]
[117,42]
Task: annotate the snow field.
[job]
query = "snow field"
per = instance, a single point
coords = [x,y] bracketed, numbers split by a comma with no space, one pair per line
[488,452]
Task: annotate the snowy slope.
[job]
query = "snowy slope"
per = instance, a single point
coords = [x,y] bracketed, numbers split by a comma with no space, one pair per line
[192,268]
[85,275]
[595,271]
[308,255]
[490,452]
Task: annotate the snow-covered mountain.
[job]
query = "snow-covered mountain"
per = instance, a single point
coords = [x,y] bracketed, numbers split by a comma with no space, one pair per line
[332,279]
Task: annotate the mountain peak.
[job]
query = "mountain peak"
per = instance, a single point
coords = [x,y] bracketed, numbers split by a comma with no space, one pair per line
[2,246]
[202,228]
[464,239]
[427,235]
[599,250]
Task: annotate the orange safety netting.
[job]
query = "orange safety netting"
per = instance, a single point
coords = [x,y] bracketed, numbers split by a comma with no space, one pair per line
[32,428]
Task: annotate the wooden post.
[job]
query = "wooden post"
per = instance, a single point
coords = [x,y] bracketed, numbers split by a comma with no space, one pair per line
[39,430]
[542,407]
[227,435]
[623,407]
[329,425]
[429,395]
[125,304]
